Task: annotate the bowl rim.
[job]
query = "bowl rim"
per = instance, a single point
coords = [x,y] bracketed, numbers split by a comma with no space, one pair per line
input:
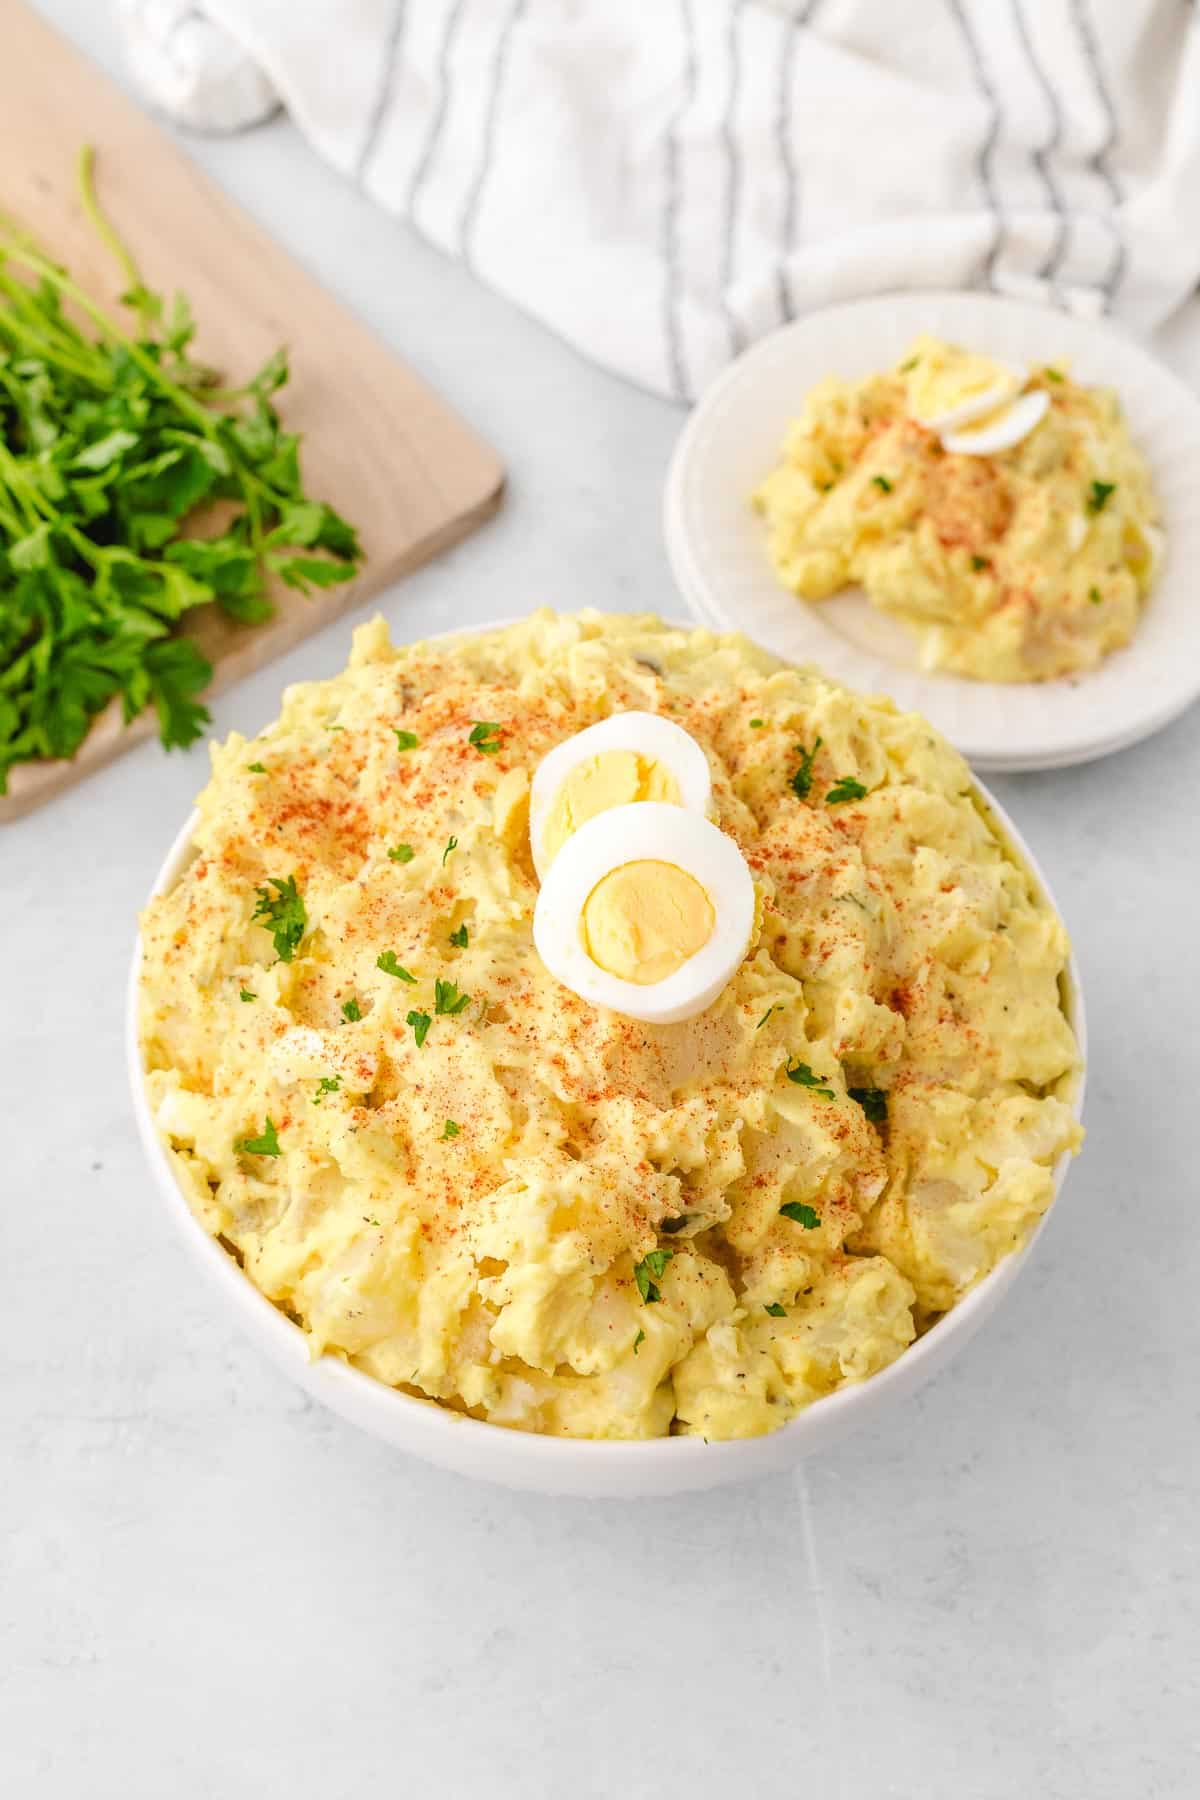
[430,1429]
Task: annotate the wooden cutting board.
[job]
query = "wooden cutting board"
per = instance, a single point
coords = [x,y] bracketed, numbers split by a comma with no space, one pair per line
[378,444]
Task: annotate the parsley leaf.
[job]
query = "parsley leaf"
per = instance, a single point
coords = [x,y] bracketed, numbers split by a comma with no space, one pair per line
[802,1075]
[256,768]
[776,1311]
[282,914]
[767,1014]
[649,1272]
[459,938]
[387,962]
[247,995]
[328,1084]
[873,1102]
[802,780]
[406,740]
[420,1022]
[638,1341]
[450,1129]
[401,853]
[979,562]
[757,724]
[448,998]
[882,483]
[845,788]
[1094,596]
[351,1010]
[1102,492]
[266,1145]
[803,1215]
[451,846]
[1054,375]
[910,364]
[486,737]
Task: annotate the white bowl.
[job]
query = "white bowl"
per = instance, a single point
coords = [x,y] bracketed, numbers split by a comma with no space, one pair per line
[552,1465]
[717,544]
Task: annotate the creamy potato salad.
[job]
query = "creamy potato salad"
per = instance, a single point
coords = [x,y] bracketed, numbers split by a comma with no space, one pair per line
[1004,515]
[479,1186]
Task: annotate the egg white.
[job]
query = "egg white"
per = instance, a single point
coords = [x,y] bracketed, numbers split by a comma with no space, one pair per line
[646,830]
[978,405]
[1013,424]
[647,735]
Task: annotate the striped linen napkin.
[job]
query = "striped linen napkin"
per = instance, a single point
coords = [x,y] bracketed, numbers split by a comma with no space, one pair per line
[662,181]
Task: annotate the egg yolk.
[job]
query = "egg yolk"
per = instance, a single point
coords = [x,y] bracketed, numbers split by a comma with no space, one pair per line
[644,920]
[611,778]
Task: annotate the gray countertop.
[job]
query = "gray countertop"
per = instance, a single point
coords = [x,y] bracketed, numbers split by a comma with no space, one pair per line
[210,1588]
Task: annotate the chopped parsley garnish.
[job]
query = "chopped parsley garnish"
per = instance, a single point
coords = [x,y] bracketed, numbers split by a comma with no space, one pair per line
[401,853]
[351,1010]
[910,364]
[328,1084]
[845,788]
[406,740]
[451,845]
[979,562]
[776,1311]
[256,768]
[486,737]
[1094,596]
[335,728]
[420,1023]
[1102,492]
[459,938]
[638,1341]
[266,1145]
[803,1215]
[767,1014]
[1054,375]
[450,1129]
[447,998]
[873,1102]
[282,914]
[802,1075]
[802,780]
[387,962]
[882,483]
[757,724]
[247,995]
[649,1272]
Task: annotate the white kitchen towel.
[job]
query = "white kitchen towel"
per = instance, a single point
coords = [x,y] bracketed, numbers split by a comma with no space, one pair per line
[661,181]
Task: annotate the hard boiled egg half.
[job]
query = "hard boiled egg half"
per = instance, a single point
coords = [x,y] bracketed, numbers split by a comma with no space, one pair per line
[647,909]
[629,757]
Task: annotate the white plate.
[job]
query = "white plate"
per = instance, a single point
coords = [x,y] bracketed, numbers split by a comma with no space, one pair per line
[717,547]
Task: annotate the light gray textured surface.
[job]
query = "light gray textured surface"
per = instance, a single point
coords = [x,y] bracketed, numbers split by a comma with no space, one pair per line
[208,1588]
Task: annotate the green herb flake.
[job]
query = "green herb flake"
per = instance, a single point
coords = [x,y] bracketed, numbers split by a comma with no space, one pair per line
[352,1011]
[256,768]
[802,780]
[406,740]
[802,1075]
[979,562]
[387,962]
[282,914]
[1101,494]
[401,853]
[266,1145]
[873,1102]
[328,1084]
[845,788]
[485,735]
[771,1009]
[905,367]
[450,1129]
[882,483]
[420,1022]
[801,1214]
[649,1272]
[459,938]
[448,999]
[1054,374]
[757,724]
[247,995]
[776,1311]
[451,847]
[638,1341]
[1095,596]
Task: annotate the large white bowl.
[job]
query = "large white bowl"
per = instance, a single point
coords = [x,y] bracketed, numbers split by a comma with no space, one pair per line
[552,1465]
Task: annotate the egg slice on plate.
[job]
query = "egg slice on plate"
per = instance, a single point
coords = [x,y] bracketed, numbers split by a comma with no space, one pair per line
[948,387]
[648,909]
[1001,431]
[631,756]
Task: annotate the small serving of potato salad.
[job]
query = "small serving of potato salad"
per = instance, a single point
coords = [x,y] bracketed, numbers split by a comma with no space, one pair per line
[669,1103]
[1004,514]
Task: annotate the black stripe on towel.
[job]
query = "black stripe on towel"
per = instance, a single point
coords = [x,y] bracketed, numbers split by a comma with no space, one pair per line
[671,207]
[383,93]
[1041,156]
[733,178]
[470,214]
[1098,161]
[983,160]
[801,15]
[441,106]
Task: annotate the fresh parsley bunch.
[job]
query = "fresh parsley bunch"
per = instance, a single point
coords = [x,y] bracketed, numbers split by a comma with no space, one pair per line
[110,442]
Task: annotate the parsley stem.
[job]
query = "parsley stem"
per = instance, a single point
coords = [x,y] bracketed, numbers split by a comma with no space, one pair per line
[106,230]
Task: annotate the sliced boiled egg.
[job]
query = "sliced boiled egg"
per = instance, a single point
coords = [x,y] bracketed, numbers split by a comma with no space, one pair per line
[948,387]
[1001,430]
[629,757]
[648,909]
